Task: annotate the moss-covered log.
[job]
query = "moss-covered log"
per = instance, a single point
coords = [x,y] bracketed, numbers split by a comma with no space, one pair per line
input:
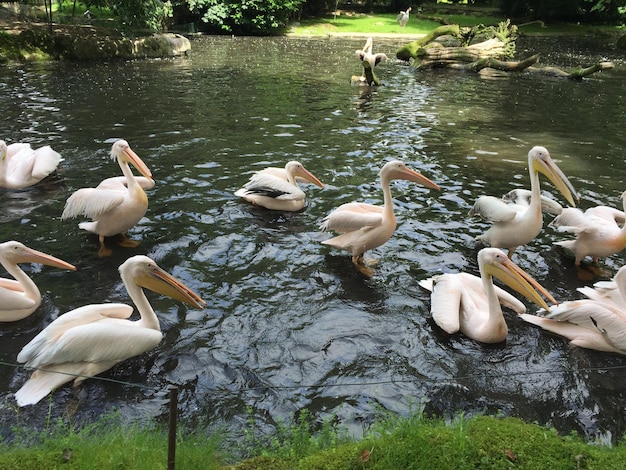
[410,50]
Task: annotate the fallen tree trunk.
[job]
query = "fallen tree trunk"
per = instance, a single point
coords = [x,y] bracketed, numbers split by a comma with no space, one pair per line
[490,53]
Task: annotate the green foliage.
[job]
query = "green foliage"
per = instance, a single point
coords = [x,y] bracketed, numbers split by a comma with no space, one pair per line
[244,17]
[138,14]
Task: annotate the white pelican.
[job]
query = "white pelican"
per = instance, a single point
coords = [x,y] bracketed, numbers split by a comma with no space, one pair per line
[114,207]
[20,297]
[93,338]
[597,231]
[367,55]
[21,166]
[403,17]
[597,322]
[521,197]
[277,188]
[512,224]
[470,304]
[363,226]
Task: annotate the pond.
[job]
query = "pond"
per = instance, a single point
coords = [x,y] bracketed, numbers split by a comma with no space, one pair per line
[290,324]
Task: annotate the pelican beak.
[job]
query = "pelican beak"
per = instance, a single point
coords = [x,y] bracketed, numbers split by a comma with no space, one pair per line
[548,167]
[29,255]
[519,280]
[164,283]
[138,163]
[310,177]
[412,175]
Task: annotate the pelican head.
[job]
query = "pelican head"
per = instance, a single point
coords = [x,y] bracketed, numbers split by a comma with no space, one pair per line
[296,169]
[540,159]
[17,252]
[144,272]
[122,152]
[397,170]
[494,262]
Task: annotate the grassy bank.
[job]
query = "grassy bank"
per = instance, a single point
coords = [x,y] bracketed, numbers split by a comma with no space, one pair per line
[393,443]
[386,24]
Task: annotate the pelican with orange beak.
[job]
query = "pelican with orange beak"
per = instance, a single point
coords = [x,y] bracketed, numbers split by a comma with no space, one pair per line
[93,338]
[277,188]
[19,297]
[470,305]
[517,224]
[113,208]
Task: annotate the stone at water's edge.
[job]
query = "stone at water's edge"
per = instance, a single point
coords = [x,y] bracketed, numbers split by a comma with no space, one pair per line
[161,45]
[85,43]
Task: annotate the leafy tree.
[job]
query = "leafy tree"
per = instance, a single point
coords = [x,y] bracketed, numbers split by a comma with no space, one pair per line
[255,17]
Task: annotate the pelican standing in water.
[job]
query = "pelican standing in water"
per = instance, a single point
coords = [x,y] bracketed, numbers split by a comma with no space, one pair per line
[516,225]
[19,297]
[597,231]
[21,166]
[114,207]
[403,17]
[363,226]
[597,322]
[277,188]
[471,305]
[91,339]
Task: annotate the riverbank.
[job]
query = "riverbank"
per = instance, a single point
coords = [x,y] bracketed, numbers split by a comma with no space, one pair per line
[28,41]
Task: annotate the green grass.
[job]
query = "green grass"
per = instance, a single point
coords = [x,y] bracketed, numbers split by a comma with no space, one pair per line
[393,443]
[386,24]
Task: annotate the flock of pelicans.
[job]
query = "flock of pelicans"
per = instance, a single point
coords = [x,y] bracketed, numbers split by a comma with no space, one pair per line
[93,338]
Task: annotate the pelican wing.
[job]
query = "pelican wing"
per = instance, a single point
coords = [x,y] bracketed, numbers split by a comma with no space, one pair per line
[269,185]
[46,161]
[445,301]
[92,202]
[607,213]
[352,216]
[80,316]
[571,220]
[107,340]
[12,299]
[493,209]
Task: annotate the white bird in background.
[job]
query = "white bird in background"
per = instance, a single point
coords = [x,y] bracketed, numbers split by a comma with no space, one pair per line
[403,17]
[522,197]
[91,339]
[597,322]
[471,305]
[513,225]
[19,297]
[597,231]
[21,166]
[363,226]
[277,188]
[114,207]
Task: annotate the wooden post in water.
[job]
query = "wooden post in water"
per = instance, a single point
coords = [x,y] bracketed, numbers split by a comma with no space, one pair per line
[171,444]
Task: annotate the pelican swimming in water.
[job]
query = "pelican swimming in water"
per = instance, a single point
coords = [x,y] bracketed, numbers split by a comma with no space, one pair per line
[364,227]
[514,225]
[21,166]
[116,206]
[19,297]
[471,305]
[403,17]
[91,339]
[597,230]
[597,322]
[277,188]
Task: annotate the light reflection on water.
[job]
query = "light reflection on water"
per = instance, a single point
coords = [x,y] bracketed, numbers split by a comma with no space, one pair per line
[289,323]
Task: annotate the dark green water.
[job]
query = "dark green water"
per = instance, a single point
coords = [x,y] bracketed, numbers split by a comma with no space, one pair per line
[290,324]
